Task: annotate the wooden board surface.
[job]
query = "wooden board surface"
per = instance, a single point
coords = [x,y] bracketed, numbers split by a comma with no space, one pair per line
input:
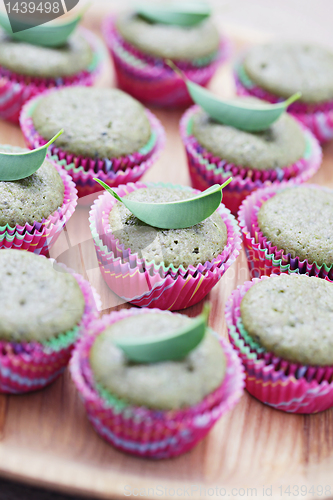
[254,451]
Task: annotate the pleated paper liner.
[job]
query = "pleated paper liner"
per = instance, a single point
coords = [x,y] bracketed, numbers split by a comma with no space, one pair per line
[147,283]
[29,366]
[16,90]
[276,382]
[139,430]
[149,79]
[113,171]
[263,258]
[316,117]
[206,169]
[41,236]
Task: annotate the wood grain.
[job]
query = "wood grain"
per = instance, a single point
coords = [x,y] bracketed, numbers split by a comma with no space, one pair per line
[46,439]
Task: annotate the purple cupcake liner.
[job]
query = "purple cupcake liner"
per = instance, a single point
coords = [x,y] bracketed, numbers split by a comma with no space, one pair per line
[148,284]
[286,386]
[149,79]
[316,117]
[16,90]
[113,171]
[41,236]
[140,430]
[29,366]
[206,169]
[263,258]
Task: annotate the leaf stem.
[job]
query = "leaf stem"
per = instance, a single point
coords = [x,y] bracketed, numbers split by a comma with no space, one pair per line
[292,99]
[226,183]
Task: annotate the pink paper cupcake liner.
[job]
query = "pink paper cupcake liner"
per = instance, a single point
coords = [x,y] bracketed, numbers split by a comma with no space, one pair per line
[276,382]
[206,169]
[29,366]
[139,430]
[149,79]
[41,236]
[113,172]
[316,117]
[16,90]
[263,258]
[147,284]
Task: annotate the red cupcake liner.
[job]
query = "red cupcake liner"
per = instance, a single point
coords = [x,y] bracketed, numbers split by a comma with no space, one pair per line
[16,90]
[41,236]
[316,117]
[276,382]
[152,433]
[29,366]
[147,284]
[206,169]
[149,79]
[113,172]
[263,258]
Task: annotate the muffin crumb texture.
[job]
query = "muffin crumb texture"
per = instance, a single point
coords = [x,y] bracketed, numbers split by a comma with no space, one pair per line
[39,300]
[97,123]
[179,247]
[300,221]
[285,68]
[166,385]
[45,62]
[281,145]
[32,199]
[292,317]
[182,43]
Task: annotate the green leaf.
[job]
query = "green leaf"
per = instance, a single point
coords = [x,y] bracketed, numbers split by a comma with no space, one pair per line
[16,166]
[46,35]
[171,347]
[186,13]
[174,214]
[249,116]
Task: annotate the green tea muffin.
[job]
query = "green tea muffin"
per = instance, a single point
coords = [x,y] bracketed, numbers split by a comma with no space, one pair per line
[184,43]
[98,123]
[299,220]
[166,385]
[45,62]
[32,199]
[39,300]
[292,317]
[285,68]
[281,145]
[179,247]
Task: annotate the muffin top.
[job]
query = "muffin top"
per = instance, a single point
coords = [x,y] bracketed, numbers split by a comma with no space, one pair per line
[166,385]
[45,62]
[281,145]
[179,247]
[285,68]
[300,221]
[98,123]
[32,199]
[39,300]
[292,317]
[183,43]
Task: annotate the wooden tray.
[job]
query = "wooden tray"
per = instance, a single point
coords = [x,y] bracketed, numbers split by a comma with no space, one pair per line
[254,451]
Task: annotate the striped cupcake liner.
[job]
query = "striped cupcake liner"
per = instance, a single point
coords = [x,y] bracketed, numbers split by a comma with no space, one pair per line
[41,236]
[206,169]
[16,90]
[263,258]
[148,284]
[149,79]
[276,382]
[26,367]
[113,172]
[139,430]
[316,117]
